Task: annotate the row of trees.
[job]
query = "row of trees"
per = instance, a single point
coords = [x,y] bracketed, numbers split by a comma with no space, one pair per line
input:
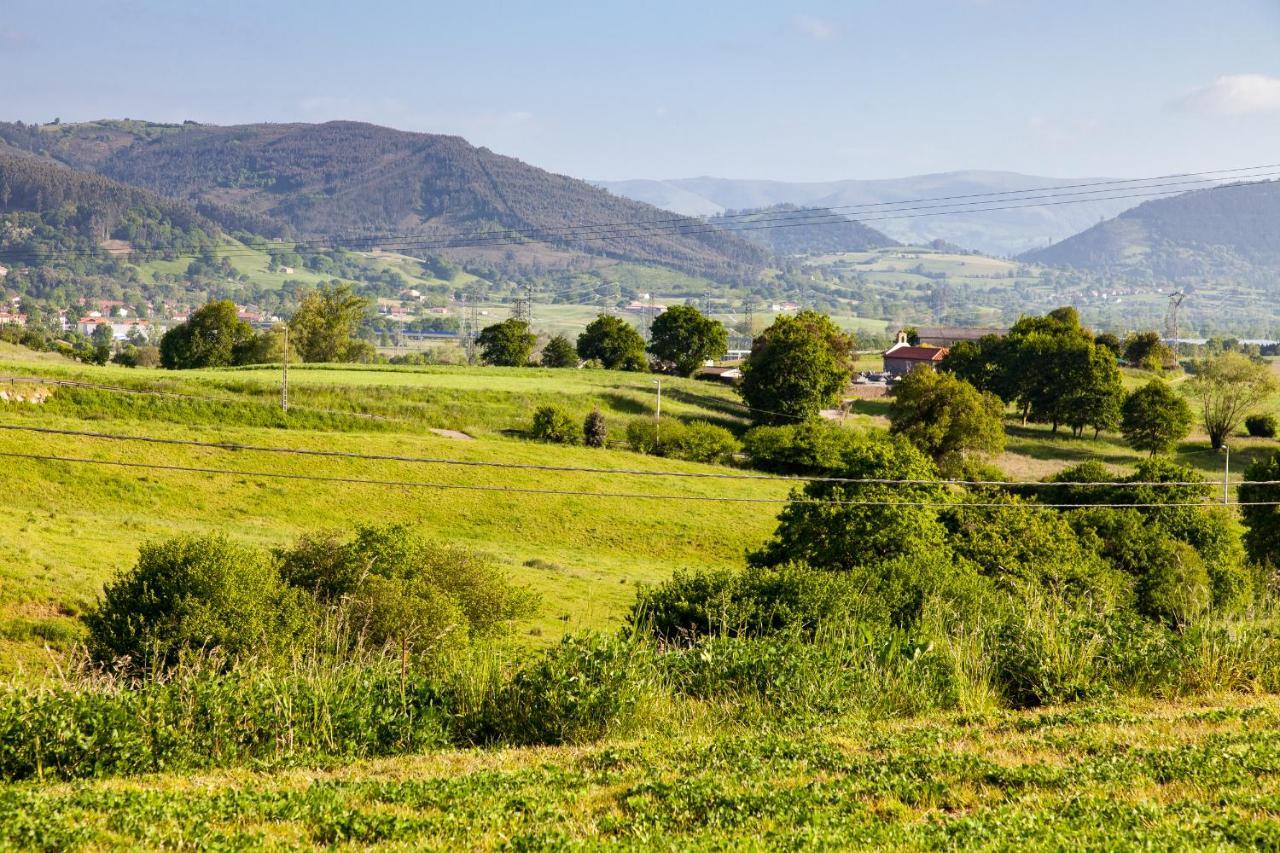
[681,339]
[325,328]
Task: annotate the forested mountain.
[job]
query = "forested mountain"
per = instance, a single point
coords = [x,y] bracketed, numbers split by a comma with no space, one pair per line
[348,178]
[1230,232]
[1000,232]
[786,229]
[50,212]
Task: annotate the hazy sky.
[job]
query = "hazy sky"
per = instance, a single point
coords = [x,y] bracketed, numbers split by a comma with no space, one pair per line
[809,91]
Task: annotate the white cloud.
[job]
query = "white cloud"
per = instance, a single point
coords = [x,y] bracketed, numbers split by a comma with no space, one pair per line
[814,28]
[1234,94]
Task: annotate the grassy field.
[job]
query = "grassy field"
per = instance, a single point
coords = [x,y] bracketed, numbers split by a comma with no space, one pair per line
[1129,775]
[65,528]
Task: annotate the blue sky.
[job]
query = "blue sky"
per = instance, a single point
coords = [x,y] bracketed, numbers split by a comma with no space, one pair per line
[809,91]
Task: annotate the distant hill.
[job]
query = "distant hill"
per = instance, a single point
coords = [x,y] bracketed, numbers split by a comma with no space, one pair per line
[50,212]
[786,229]
[1003,232]
[349,178]
[1224,232]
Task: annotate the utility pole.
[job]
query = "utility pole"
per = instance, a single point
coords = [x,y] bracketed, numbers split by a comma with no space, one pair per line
[657,414]
[706,303]
[1226,473]
[284,385]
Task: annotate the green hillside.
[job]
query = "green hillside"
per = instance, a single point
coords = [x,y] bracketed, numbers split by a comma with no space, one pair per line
[786,230]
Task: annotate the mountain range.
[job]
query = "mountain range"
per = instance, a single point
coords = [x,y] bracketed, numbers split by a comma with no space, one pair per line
[785,230]
[998,232]
[359,180]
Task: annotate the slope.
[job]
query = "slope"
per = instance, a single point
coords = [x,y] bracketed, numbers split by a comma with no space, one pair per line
[786,230]
[1223,232]
[351,178]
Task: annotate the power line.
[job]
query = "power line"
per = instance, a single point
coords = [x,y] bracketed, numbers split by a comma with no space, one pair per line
[523,466]
[682,226]
[628,495]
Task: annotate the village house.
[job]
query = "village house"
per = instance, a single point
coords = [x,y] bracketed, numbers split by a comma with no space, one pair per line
[901,358]
[120,328]
[11,318]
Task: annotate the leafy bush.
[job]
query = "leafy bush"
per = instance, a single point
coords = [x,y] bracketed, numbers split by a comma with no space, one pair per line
[1050,651]
[1261,426]
[1262,523]
[698,441]
[581,690]
[195,593]
[553,425]
[812,447]
[1175,588]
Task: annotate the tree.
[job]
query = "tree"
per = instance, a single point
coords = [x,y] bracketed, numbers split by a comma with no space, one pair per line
[1155,418]
[1227,388]
[559,353]
[682,336]
[613,342]
[797,366]
[553,425]
[1146,351]
[1262,523]
[325,325]
[1094,398]
[103,337]
[213,336]
[947,418]
[506,344]
[1110,342]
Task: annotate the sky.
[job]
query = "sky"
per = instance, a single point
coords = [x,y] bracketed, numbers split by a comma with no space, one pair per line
[806,91]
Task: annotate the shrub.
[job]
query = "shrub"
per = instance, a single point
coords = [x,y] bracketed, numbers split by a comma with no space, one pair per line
[698,441]
[642,435]
[1261,426]
[594,430]
[194,593]
[812,447]
[1262,523]
[754,602]
[1175,588]
[559,352]
[433,589]
[1050,651]
[581,690]
[553,425]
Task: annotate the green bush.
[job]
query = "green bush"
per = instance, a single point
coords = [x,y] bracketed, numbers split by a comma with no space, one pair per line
[642,435]
[195,593]
[812,447]
[1261,426]
[698,441]
[580,690]
[1176,588]
[754,602]
[1050,651]
[553,425]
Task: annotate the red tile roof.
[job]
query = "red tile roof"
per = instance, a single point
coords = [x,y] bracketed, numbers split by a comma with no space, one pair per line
[918,353]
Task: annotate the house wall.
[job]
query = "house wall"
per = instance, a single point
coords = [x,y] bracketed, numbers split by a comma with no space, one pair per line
[903,366]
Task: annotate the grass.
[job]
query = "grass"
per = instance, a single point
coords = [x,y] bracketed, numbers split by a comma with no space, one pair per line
[66,528]
[1135,774]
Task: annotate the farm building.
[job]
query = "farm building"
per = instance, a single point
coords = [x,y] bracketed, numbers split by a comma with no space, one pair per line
[901,358]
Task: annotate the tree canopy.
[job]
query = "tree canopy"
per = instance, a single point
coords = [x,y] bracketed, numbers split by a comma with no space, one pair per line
[559,353]
[325,326]
[1155,418]
[797,366]
[683,337]
[506,344]
[613,342]
[947,418]
[213,336]
[1228,388]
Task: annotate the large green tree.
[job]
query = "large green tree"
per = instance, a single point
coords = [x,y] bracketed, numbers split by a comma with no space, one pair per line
[1228,388]
[1262,522]
[506,344]
[213,336]
[797,366]
[683,337]
[947,418]
[326,325]
[559,353]
[613,342]
[1155,418]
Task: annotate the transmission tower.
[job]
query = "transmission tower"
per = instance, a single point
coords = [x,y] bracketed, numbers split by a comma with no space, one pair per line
[706,303]
[523,307]
[749,321]
[1171,320]
[470,328]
